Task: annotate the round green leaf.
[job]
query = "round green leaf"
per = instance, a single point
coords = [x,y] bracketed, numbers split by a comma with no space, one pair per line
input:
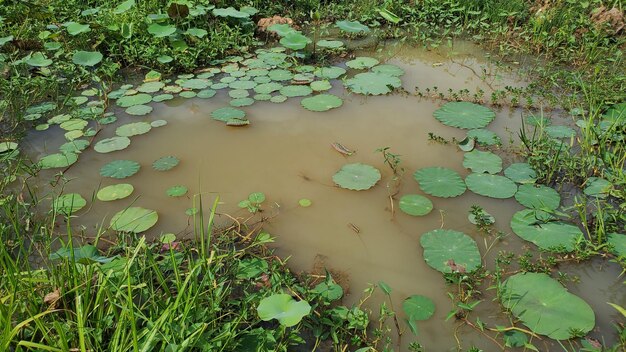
[162,97]
[7,146]
[320,86]
[416,205]
[115,192]
[283,308]
[139,110]
[479,162]
[464,115]
[493,186]
[618,243]
[521,173]
[370,83]
[546,307]
[159,31]
[280,75]
[598,187]
[120,169]
[388,69]
[75,146]
[73,124]
[188,94]
[238,93]
[352,26]
[321,102]
[560,131]
[418,307]
[538,196]
[362,62]
[440,182]
[244,85]
[57,160]
[134,219]
[278,99]
[196,83]
[151,87]
[484,136]
[329,72]
[267,88]
[305,203]
[87,58]
[296,91]
[112,144]
[132,100]
[206,93]
[330,44]
[227,114]
[165,163]
[68,204]
[545,233]
[357,177]
[38,60]
[230,12]
[133,129]
[450,251]
[158,123]
[294,41]
[176,191]
[240,102]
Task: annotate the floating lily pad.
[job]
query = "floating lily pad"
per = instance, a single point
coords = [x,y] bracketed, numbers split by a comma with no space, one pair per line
[196,83]
[305,203]
[160,31]
[362,62]
[240,102]
[188,94]
[243,85]
[87,58]
[267,88]
[388,69]
[158,123]
[598,187]
[133,129]
[134,219]
[440,182]
[330,44]
[75,146]
[538,196]
[57,160]
[320,86]
[418,307]
[162,97]
[560,131]
[115,192]
[484,136]
[296,91]
[151,87]
[72,135]
[546,307]
[294,41]
[165,163]
[352,26]
[493,186]
[321,102]
[521,173]
[450,251]
[329,72]
[120,169]
[370,83]
[479,162]
[176,191]
[544,231]
[416,205]
[618,243]
[112,144]
[132,100]
[464,115]
[7,146]
[73,124]
[68,204]
[278,99]
[357,177]
[283,308]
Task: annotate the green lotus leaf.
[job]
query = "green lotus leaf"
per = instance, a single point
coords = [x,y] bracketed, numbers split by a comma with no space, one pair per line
[74,28]
[560,131]
[296,91]
[294,41]
[388,69]
[267,88]
[112,144]
[68,204]
[352,26]
[134,219]
[87,58]
[257,72]
[320,86]
[546,307]
[73,124]
[75,146]
[72,135]
[160,31]
[133,129]
[84,255]
[467,144]
[538,196]
[196,83]
[120,169]
[329,72]
[188,94]
[278,99]
[238,93]
[176,191]
[230,12]
[240,102]
[115,192]
[162,97]
[450,251]
[362,62]
[545,233]
[321,102]
[618,243]
[330,44]
[464,114]
[479,162]
[262,97]
[132,100]
[7,146]
[242,85]
[370,83]
[165,163]
[139,110]
[283,308]
[493,186]
[158,123]
[41,108]
[416,205]
[484,136]
[59,119]
[206,93]
[57,160]
[303,78]
[418,307]
[521,173]
[107,120]
[38,60]
[281,29]
[357,177]
[538,121]
[280,75]
[598,187]
[305,203]
[440,182]
[227,114]
[151,87]
[197,32]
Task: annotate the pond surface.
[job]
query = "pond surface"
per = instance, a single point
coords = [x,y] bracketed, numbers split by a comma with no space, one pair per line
[286,153]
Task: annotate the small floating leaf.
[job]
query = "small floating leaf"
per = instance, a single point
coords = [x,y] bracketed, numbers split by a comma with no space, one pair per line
[521,173]
[464,115]
[484,136]
[329,72]
[68,204]
[176,191]
[538,196]
[450,251]
[112,144]
[120,169]
[479,162]
[294,41]
[440,182]
[357,177]
[227,114]
[618,242]
[330,44]
[415,204]
[115,192]
[388,69]
[547,234]
[296,91]
[165,163]
[134,219]
[196,83]
[370,83]
[139,110]
[352,26]
[131,100]
[57,160]
[321,102]
[362,62]
[133,129]
[493,186]
[158,123]
[418,307]
[305,203]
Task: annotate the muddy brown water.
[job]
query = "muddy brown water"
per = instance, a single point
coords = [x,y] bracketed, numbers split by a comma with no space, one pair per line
[286,153]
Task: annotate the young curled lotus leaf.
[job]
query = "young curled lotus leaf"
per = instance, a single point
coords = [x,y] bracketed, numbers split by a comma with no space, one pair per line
[165,163]
[464,114]
[87,58]
[196,83]
[133,129]
[160,31]
[388,69]
[467,144]
[494,186]
[57,160]
[283,308]
[415,204]
[329,72]
[112,144]
[521,173]
[139,110]
[176,191]
[330,44]
[120,169]
[598,187]
[545,233]
[277,99]
[479,161]
[448,251]
[440,182]
[484,136]
[618,243]
[362,62]
[294,41]
[134,219]
[321,102]
[357,177]
[115,192]
[68,204]
[132,100]
[320,86]
[546,307]
[296,91]
[370,83]
[538,197]
[239,102]
[418,307]
[352,26]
